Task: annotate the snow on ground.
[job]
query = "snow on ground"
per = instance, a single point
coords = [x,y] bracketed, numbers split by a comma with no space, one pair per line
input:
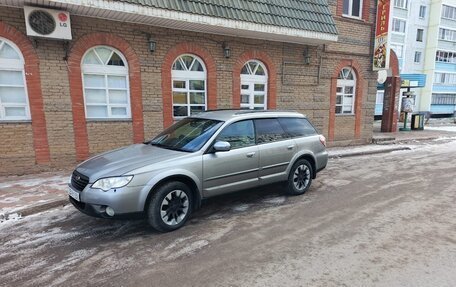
[20,192]
[442,128]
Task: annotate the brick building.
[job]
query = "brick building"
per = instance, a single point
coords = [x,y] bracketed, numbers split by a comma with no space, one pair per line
[133,67]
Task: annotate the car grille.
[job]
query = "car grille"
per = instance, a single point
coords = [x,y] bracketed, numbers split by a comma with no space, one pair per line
[79,181]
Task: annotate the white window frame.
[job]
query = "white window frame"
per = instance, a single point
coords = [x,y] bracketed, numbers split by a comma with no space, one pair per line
[448,12]
[16,66]
[393,25]
[444,78]
[380,97]
[444,98]
[187,76]
[395,47]
[106,71]
[422,12]
[251,80]
[350,9]
[418,55]
[441,55]
[402,4]
[343,83]
[418,38]
[449,34]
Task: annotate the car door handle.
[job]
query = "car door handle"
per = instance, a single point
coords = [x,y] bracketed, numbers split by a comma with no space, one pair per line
[250,154]
[290,147]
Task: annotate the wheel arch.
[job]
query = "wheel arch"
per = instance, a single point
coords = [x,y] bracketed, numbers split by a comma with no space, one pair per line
[311,159]
[196,195]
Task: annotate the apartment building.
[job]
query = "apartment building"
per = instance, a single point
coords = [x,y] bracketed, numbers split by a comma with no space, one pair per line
[424,39]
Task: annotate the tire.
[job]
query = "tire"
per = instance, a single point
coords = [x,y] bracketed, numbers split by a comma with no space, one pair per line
[300,177]
[170,206]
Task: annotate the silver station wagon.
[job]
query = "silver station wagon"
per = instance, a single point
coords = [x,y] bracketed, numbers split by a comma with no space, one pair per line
[201,156]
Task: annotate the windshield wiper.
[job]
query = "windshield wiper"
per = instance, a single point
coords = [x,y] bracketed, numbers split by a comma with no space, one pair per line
[167,147]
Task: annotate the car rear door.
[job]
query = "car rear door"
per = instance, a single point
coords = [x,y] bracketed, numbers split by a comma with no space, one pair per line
[276,150]
[235,169]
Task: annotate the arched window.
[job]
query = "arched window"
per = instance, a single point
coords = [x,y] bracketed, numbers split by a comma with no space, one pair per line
[254,86]
[189,86]
[13,93]
[105,82]
[346,91]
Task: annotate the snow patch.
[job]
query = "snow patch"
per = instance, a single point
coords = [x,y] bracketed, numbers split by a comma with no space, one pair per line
[444,128]
[274,200]
[188,250]
[55,181]
[10,217]
[241,207]
[339,182]
[73,258]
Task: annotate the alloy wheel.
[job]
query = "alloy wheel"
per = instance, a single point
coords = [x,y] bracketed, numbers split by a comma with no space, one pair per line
[174,207]
[301,177]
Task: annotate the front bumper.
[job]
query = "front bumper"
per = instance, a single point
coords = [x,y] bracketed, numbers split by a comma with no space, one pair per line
[124,201]
[100,211]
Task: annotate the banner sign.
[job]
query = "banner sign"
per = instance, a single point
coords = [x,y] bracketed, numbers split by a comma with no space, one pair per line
[381,46]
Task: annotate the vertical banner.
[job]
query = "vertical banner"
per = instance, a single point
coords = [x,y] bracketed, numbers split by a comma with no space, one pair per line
[381,46]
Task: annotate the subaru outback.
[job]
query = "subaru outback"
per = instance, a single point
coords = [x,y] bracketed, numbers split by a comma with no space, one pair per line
[201,156]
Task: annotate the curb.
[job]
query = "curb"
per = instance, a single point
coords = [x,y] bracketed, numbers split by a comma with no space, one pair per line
[361,153]
[35,209]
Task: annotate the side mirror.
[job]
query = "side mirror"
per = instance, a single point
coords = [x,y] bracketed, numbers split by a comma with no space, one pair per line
[222,146]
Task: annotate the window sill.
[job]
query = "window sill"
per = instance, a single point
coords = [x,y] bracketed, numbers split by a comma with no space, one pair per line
[15,121]
[352,17]
[451,41]
[108,120]
[357,20]
[345,115]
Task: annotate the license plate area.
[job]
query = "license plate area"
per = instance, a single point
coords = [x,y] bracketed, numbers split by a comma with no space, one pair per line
[74,194]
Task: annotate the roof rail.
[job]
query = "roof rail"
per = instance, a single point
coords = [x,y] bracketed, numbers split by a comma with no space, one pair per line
[241,112]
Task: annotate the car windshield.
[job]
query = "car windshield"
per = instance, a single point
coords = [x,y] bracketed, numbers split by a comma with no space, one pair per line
[188,135]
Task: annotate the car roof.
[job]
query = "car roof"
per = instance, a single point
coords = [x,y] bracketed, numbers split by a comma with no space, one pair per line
[226,115]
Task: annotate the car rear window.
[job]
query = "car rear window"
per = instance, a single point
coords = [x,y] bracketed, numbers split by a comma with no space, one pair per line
[297,127]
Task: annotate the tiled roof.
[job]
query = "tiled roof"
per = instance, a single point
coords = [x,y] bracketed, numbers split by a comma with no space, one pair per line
[309,15]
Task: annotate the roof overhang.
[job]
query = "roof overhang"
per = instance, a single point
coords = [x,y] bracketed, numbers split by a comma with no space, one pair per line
[126,12]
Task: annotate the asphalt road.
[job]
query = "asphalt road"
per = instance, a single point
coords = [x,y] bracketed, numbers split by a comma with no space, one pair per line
[383,220]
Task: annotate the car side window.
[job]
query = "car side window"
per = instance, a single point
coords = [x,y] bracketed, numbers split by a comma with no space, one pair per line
[240,134]
[297,127]
[269,130]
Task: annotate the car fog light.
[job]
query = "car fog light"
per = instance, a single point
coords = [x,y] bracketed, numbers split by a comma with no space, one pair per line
[110,211]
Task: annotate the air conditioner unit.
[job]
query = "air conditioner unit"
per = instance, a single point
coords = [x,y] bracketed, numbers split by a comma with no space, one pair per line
[47,23]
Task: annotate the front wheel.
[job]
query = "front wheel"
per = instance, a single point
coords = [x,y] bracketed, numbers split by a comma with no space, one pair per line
[170,207]
[300,177]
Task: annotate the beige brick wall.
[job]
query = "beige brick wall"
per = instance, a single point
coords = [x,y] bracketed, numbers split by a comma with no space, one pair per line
[301,87]
[16,148]
[105,136]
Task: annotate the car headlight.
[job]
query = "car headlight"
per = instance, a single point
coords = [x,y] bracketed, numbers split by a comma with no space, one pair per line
[108,183]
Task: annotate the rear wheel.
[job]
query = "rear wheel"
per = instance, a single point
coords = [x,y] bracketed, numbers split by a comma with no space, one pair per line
[300,177]
[170,206]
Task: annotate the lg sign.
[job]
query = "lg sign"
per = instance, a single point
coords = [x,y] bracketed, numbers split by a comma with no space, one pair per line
[63,18]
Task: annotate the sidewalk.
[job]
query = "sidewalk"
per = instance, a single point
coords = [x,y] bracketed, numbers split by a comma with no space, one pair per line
[29,194]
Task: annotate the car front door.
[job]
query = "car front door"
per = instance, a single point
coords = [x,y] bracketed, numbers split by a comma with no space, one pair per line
[276,150]
[234,169]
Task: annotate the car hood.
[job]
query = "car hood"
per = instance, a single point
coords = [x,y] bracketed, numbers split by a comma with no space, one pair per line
[121,161]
